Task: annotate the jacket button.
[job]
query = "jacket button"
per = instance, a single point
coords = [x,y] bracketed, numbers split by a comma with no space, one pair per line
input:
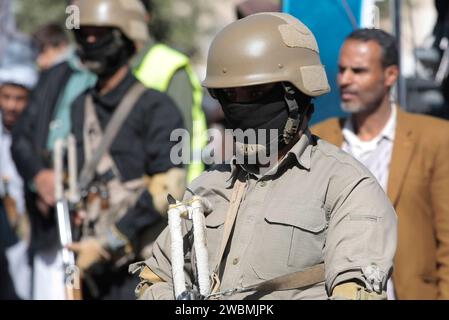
[235,261]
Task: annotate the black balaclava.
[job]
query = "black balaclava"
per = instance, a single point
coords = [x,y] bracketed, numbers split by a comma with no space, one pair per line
[272,111]
[107,55]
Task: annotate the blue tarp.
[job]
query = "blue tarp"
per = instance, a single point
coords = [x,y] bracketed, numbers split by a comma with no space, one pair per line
[330,21]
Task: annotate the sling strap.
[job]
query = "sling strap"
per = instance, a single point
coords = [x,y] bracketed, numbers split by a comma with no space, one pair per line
[118,118]
[295,280]
[231,215]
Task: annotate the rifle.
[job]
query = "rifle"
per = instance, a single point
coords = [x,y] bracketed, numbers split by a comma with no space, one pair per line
[65,201]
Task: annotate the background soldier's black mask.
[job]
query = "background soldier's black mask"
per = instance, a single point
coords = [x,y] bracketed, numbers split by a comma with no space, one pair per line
[107,55]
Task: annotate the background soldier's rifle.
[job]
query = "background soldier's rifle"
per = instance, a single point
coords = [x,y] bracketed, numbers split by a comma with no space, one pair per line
[66,201]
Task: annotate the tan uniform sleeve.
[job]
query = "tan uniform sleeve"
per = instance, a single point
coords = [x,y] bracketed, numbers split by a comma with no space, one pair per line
[160,264]
[440,204]
[362,233]
[158,291]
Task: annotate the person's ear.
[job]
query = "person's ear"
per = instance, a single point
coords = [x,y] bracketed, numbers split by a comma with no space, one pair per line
[391,75]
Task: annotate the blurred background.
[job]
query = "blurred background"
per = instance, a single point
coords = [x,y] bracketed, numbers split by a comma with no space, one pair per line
[189,25]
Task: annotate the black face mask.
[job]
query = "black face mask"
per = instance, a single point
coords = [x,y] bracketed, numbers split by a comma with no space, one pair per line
[269,112]
[107,55]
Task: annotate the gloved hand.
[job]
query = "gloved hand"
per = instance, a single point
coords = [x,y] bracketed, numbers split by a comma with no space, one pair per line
[190,295]
[89,252]
[354,291]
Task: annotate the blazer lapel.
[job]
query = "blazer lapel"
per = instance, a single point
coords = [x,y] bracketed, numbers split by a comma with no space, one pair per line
[402,154]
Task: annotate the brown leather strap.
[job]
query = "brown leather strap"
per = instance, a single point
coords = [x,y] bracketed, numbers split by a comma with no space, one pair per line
[234,204]
[295,280]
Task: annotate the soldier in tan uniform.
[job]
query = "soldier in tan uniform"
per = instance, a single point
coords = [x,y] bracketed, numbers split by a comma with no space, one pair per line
[316,218]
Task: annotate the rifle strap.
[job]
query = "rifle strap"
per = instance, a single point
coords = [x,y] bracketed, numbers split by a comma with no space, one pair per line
[114,125]
[231,215]
[295,280]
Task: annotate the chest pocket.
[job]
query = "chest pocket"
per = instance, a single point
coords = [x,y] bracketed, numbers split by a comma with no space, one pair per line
[289,240]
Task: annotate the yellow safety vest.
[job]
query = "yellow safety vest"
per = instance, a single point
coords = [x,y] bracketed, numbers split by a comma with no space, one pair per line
[156,71]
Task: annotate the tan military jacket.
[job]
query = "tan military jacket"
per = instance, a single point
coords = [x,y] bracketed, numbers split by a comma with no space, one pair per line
[321,206]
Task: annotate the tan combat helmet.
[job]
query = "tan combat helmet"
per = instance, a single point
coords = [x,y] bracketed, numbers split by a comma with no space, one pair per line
[126,15]
[265,48]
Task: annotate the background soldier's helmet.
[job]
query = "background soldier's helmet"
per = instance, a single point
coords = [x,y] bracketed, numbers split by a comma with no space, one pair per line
[265,48]
[126,15]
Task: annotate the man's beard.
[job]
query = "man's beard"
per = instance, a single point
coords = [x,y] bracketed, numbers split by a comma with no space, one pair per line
[368,106]
[9,120]
[352,108]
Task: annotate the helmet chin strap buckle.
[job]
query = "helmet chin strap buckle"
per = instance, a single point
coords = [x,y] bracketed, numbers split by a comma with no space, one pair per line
[293,121]
[290,129]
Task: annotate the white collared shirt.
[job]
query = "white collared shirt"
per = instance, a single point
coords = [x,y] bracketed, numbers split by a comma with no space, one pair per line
[375,155]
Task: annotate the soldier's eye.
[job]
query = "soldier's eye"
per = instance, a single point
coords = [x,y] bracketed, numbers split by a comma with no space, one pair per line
[257,94]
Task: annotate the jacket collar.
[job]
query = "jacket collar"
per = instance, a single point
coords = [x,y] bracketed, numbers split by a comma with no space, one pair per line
[405,135]
[301,151]
[402,154]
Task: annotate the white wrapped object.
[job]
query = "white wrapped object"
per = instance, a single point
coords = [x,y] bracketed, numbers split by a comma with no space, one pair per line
[177,248]
[199,234]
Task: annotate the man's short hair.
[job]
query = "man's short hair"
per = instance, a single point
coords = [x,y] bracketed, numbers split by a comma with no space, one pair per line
[50,35]
[386,41]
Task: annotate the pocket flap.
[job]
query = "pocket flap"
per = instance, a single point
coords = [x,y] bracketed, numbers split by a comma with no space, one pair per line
[308,218]
[215,219]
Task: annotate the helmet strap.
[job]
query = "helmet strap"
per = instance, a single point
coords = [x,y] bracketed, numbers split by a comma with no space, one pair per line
[297,119]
